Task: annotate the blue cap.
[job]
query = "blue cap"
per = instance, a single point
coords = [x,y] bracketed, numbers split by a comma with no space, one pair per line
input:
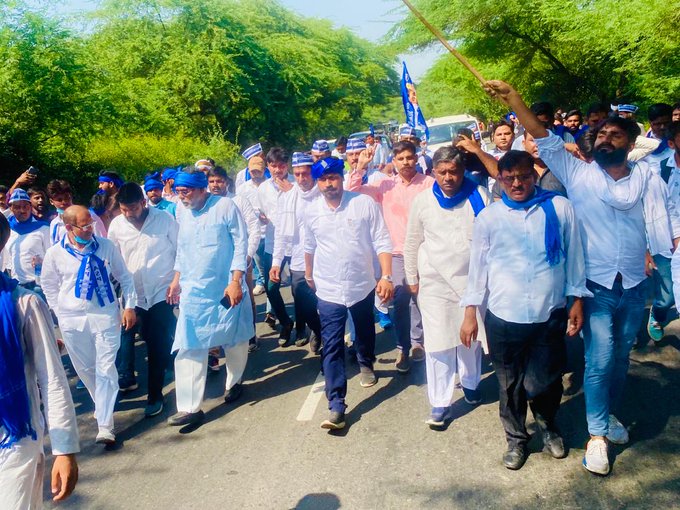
[169,173]
[407,131]
[628,108]
[252,151]
[19,195]
[328,165]
[302,159]
[355,145]
[320,146]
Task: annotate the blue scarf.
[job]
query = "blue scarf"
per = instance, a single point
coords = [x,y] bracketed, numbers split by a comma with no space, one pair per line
[26,227]
[553,241]
[468,191]
[267,174]
[92,276]
[15,407]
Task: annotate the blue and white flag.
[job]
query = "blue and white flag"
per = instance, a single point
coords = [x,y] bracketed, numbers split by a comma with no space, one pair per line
[414,116]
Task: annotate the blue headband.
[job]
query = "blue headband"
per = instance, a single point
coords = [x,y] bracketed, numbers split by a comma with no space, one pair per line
[169,173]
[328,165]
[152,182]
[193,180]
[116,182]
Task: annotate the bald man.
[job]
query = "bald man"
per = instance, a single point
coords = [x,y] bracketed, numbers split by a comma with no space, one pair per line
[76,282]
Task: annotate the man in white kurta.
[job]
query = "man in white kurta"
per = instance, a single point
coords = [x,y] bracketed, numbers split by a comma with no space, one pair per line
[214,306]
[61,197]
[436,260]
[50,408]
[75,279]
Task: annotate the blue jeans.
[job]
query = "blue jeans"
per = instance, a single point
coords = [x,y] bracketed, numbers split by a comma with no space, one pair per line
[663,290]
[258,265]
[612,320]
[408,324]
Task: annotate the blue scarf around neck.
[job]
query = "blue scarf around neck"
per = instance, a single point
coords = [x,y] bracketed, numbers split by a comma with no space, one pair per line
[15,407]
[553,241]
[26,227]
[93,278]
[467,191]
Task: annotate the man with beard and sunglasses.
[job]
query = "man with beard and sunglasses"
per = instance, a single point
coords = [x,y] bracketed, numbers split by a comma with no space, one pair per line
[621,206]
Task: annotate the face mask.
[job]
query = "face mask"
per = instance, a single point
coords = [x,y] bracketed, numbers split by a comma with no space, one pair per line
[60,211]
[613,158]
[80,240]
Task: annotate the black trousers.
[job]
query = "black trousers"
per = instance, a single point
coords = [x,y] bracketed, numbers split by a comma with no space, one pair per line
[305,304]
[158,331]
[528,360]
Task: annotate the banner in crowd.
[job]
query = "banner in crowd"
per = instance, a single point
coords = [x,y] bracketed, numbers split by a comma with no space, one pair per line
[414,115]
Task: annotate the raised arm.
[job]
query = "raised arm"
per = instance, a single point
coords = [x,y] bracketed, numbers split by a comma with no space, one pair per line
[506,94]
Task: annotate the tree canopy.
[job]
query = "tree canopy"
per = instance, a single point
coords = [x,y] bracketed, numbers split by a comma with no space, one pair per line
[198,77]
[569,52]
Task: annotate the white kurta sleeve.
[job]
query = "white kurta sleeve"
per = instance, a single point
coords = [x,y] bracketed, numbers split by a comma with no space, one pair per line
[285,228]
[59,413]
[414,238]
[50,280]
[121,273]
[575,263]
[382,243]
[562,164]
[479,269]
[239,236]
[310,240]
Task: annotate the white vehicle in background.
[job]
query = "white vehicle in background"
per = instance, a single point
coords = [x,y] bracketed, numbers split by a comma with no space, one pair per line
[444,129]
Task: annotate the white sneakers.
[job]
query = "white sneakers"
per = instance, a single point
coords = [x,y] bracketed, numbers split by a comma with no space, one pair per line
[617,432]
[596,459]
[258,290]
[105,437]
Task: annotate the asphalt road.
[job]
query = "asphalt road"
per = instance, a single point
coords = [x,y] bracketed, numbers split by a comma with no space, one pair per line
[268,451]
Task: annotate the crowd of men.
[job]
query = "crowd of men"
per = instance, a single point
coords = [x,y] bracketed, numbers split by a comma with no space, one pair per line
[553,232]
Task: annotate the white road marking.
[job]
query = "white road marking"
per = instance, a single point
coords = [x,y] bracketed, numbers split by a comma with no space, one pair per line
[312,400]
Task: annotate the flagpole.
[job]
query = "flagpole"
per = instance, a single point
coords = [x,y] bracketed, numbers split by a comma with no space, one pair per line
[435,31]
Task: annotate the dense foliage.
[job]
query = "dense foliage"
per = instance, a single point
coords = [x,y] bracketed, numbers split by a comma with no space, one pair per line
[570,52]
[148,83]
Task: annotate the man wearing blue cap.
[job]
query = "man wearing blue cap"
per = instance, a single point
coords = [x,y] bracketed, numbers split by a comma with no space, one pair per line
[168,179]
[153,187]
[27,244]
[214,309]
[289,243]
[320,150]
[254,154]
[344,231]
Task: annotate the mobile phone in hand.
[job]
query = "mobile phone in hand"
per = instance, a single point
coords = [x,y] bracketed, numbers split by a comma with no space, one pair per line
[226,302]
[32,170]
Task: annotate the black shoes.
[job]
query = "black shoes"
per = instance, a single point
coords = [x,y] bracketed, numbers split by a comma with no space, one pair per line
[270,320]
[553,444]
[315,343]
[233,393]
[184,418]
[284,337]
[515,457]
[335,421]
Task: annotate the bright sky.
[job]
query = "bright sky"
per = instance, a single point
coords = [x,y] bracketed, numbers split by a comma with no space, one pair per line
[370,19]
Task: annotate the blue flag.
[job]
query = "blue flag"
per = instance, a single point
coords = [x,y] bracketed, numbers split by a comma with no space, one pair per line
[414,116]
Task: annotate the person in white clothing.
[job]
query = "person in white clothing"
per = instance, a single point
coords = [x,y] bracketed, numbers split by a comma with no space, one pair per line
[75,279]
[28,242]
[527,257]
[344,231]
[61,197]
[147,239]
[436,260]
[34,399]
[254,155]
[320,150]
[289,243]
[622,211]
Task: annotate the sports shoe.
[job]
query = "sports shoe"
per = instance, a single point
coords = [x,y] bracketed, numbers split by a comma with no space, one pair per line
[315,343]
[384,320]
[472,397]
[438,417]
[654,329]
[417,354]
[126,384]
[335,421]
[213,363]
[105,437]
[596,459]
[617,432]
[301,338]
[367,377]
[153,409]
[258,290]
[253,344]
[270,320]
[184,418]
[403,364]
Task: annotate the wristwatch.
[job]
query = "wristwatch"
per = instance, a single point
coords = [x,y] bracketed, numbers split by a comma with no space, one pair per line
[386,277]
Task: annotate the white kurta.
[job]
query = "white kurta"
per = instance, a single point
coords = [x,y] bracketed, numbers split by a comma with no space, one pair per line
[437,257]
[20,250]
[22,466]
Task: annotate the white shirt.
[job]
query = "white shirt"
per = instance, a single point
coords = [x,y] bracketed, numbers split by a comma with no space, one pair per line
[58,281]
[508,258]
[252,219]
[344,242]
[268,195]
[614,240]
[240,179]
[58,230]
[20,250]
[249,192]
[149,253]
[290,237]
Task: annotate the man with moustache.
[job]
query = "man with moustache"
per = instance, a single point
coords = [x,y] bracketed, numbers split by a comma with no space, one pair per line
[61,197]
[344,232]
[153,187]
[214,309]
[289,242]
[526,259]
[40,204]
[622,208]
